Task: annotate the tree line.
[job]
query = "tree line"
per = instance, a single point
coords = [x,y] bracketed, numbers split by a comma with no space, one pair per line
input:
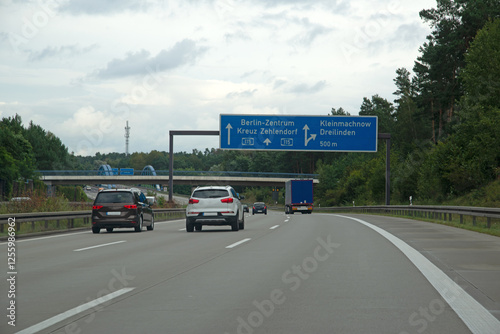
[444,122]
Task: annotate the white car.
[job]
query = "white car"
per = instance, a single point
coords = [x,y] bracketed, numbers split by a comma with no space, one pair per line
[215,205]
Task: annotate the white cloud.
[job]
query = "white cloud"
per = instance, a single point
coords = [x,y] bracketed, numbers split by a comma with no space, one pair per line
[88,66]
[99,7]
[60,52]
[141,62]
[303,88]
[91,130]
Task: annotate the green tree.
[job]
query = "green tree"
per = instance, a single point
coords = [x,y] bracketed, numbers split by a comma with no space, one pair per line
[339,112]
[262,162]
[49,151]
[138,160]
[481,76]
[16,154]
[410,128]
[159,160]
[454,23]
[470,157]
[9,170]
[382,108]
[405,173]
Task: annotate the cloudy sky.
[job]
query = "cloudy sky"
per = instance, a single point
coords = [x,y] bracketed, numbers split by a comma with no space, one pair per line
[82,68]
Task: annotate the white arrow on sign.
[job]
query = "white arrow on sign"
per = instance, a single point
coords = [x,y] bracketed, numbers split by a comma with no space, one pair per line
[267,141]
[307,140]
[229,127]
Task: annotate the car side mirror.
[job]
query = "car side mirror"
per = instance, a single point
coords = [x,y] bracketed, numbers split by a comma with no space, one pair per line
[241,196]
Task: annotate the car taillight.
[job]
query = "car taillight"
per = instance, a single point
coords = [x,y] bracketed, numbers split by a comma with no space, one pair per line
[193,201]
[96,207]
[227,200]
[130,206]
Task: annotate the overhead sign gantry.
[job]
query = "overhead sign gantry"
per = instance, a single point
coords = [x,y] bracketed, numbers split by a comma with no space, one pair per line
[295,133]
[299,133]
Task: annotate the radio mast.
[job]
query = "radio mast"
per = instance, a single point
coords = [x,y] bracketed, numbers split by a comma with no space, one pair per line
[127,135]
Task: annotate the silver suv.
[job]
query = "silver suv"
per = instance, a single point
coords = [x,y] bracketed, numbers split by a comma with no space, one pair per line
[215,205]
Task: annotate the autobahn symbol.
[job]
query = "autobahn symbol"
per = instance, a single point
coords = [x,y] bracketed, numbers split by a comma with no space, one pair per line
[299,133]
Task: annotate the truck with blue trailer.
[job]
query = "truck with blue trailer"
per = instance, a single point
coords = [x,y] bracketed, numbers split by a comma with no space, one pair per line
[299,196]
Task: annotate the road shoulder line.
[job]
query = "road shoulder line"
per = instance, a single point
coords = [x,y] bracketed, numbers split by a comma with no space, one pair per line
[477,318]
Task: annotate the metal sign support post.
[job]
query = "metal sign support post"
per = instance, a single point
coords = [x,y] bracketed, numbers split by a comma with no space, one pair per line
[387,137]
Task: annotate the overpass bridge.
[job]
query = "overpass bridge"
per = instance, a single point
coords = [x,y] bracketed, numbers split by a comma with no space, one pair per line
[193,178]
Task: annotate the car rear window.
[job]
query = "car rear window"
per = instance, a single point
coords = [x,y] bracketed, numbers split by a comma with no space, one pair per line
[210,193]
[115,197]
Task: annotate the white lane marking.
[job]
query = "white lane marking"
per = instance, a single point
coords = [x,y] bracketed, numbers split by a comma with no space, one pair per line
[74,311]
[182,229]
[97,246]
[238,243]
[76,233]
[287,220]
[168,221]
[275,227]
[473,314]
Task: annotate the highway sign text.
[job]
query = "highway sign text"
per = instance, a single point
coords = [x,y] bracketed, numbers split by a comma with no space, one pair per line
[299,133]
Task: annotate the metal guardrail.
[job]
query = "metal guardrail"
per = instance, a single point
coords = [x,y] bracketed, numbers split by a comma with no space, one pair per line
[432,212]
[425,211]
[67,217]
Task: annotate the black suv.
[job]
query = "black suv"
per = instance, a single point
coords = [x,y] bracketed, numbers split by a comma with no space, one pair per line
[122,208]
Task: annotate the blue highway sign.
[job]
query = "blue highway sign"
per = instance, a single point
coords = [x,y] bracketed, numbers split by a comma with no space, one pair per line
[126,171]
[299,133]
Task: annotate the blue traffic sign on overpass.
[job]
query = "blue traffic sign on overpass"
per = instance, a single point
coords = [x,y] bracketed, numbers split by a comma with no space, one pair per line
[299,133]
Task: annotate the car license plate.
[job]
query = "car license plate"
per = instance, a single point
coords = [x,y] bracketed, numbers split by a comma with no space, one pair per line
[210,213]
[302,208]
[113,213]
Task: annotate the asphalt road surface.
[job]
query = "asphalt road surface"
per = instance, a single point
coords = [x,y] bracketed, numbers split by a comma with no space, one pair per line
[319,273]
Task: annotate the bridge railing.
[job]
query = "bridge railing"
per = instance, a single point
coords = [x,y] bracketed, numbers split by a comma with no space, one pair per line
[185,172]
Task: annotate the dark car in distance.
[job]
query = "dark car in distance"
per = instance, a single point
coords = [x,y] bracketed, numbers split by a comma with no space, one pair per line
[122,208]
[259,207]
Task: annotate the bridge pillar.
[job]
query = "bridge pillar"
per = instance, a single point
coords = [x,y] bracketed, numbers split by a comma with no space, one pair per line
[51,189]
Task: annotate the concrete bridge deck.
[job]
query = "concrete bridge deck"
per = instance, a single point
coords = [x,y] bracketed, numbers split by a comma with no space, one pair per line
[164,179]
